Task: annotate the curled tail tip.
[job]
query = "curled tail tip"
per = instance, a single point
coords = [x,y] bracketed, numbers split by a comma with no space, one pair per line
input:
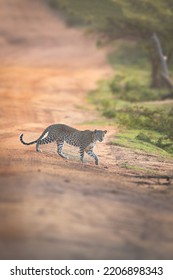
[21,138]
[26,143]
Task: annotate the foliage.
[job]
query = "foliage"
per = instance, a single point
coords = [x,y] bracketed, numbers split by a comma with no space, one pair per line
[94,13]
[130,19]
[142,117]
[129,54]
[129,87]
[134,115]
[118,105]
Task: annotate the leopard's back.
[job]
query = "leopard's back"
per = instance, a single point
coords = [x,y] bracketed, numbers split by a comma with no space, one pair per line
[72,136]
[60,131]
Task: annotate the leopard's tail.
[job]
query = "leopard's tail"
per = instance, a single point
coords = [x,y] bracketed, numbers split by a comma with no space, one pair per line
[25,143]
[33,142]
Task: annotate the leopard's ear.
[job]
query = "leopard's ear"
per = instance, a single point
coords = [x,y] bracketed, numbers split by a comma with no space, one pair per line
[105,131]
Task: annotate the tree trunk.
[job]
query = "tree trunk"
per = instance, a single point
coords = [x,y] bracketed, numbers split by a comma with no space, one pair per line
[155,74]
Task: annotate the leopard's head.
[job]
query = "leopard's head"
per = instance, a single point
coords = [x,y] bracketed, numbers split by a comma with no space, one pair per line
[99,135]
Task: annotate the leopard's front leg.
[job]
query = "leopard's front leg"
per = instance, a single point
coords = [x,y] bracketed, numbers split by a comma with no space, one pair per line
[59,149]
[92,154]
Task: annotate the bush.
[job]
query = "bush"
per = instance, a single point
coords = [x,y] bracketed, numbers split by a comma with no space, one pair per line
[132,88]
[142,117]
[143,137]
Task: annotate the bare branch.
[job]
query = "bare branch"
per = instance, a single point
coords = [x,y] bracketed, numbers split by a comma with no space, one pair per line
[163,62]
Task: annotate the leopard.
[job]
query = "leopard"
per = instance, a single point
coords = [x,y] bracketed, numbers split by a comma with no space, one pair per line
[60,133]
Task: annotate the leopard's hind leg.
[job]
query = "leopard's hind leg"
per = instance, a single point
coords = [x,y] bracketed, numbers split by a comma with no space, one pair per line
[46,140]
[81,151]
[37,148]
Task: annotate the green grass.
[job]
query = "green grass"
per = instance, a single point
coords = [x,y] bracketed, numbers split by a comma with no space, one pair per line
[146,141]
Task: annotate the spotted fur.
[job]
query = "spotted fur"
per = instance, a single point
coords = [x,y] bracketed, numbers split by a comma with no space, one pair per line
[61,133]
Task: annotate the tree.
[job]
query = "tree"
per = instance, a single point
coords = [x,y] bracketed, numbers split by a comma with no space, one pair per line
[140,19]
[134,19]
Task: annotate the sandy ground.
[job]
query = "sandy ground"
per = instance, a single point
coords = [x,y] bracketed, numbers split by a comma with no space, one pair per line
[52,208]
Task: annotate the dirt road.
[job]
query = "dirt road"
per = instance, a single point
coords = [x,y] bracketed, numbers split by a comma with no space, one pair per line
[52,208]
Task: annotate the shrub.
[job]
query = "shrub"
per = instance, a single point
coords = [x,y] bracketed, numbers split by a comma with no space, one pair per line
[132,88]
